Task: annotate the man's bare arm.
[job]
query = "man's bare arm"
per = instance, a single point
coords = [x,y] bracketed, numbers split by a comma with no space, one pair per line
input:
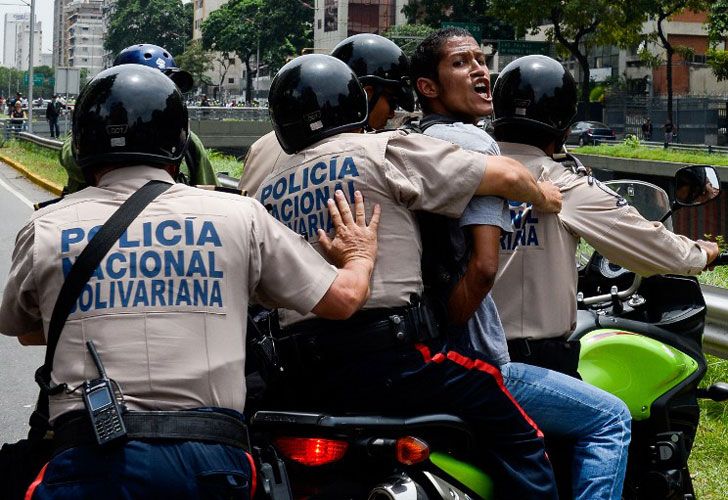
[353,250]
[479,276]
[509,179]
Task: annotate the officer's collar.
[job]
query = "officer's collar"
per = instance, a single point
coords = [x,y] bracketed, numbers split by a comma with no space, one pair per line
[135,176]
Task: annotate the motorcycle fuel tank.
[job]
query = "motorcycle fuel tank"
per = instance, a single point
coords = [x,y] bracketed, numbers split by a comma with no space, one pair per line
[635,368]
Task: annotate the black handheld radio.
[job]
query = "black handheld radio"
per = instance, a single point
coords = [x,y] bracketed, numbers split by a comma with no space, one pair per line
[103,410]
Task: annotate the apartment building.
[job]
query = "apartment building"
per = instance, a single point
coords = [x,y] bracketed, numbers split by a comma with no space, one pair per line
[78,35]
[335,20]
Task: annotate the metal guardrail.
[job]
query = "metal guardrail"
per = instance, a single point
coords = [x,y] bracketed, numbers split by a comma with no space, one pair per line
[716,300]
[41,141]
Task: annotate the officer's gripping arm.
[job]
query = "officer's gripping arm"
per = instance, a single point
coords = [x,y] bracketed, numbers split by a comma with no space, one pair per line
[509,179]
[479,276]
[353,250]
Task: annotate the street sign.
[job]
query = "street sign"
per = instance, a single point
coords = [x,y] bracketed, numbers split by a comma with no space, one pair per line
[475,29]
[523,48]
[37,79]
[67,81]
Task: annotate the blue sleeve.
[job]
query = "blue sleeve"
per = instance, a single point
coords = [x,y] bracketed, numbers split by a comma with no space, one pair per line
[487,211]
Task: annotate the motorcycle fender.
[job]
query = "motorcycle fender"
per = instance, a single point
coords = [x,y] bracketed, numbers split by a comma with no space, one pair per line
[635,368]
[467,474]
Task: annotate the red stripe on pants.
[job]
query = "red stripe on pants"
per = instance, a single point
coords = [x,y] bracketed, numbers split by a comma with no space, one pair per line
[480,365]
[35,483]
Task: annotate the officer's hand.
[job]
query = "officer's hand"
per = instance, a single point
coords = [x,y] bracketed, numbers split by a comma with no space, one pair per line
[551,202]
[712,249]
[354,239]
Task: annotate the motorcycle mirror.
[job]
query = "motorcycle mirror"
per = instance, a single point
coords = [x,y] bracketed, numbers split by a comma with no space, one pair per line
[696,185]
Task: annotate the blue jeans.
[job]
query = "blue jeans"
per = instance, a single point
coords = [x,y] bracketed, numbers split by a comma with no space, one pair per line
[598,422]
[146,470]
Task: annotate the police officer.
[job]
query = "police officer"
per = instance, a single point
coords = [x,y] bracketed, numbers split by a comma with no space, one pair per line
[198,165]
[535,101]
[166,307]
[390,358]
[452,81]
[383,71]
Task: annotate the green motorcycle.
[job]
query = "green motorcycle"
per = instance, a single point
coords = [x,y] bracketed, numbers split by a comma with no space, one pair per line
[641,340]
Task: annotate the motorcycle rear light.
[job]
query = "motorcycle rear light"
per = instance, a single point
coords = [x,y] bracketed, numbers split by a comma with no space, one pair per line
[311,452]
[411,450]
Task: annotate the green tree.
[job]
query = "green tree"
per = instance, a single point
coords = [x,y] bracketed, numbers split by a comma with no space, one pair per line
[434,12]
[167,23]
[278,29]
[717,56]
[577,25]
[196,60]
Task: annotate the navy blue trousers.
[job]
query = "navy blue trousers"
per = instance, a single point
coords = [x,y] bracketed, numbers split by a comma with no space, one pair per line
[434,379]
[141,470]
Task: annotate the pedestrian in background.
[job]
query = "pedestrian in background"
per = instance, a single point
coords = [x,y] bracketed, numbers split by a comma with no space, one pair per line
[670,131]
[647,130]
[53,111]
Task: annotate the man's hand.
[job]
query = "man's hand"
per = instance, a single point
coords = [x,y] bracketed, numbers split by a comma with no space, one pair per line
[354,240]
[711,248]
[551,202]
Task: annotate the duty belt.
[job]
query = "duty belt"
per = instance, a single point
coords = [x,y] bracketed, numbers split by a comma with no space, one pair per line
[368,331]
[205,426]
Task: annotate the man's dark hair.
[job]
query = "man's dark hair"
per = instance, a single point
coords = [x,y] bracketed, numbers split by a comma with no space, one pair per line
[426,58]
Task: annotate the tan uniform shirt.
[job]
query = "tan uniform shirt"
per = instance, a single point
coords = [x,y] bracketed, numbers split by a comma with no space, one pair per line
[402,172]
[535,290]
[167,306]
[262,157]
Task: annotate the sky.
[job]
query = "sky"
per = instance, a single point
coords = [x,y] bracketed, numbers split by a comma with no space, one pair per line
[43,13]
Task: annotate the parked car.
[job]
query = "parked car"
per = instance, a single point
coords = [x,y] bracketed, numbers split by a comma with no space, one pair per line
[583,133]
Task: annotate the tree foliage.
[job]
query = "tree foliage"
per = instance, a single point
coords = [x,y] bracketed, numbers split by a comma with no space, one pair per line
[279,29]
[577,25]
[196,60]
[717,56]
[167,23]
[434,12]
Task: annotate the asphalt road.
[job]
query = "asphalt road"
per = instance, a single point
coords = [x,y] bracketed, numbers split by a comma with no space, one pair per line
[18,390]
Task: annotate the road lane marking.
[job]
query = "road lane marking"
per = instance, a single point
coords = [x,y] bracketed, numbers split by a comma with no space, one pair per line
[16,193]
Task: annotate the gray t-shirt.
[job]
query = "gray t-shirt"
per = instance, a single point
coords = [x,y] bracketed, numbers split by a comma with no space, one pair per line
[484,327]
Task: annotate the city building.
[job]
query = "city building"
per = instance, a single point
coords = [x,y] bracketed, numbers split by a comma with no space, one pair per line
[78,35]
[22,45]
[226,76]
[16,41]
[335,20]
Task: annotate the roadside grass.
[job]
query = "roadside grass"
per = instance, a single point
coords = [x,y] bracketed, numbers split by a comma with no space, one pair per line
[643,153]
[709,458]
[39,160]
[45,162]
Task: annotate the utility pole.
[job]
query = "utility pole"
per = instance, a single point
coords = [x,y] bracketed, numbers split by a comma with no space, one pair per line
[30,66]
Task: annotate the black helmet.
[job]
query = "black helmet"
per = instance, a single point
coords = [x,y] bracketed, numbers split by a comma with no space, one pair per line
[378,61]
[129,114]
[535,90]
[313,97]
